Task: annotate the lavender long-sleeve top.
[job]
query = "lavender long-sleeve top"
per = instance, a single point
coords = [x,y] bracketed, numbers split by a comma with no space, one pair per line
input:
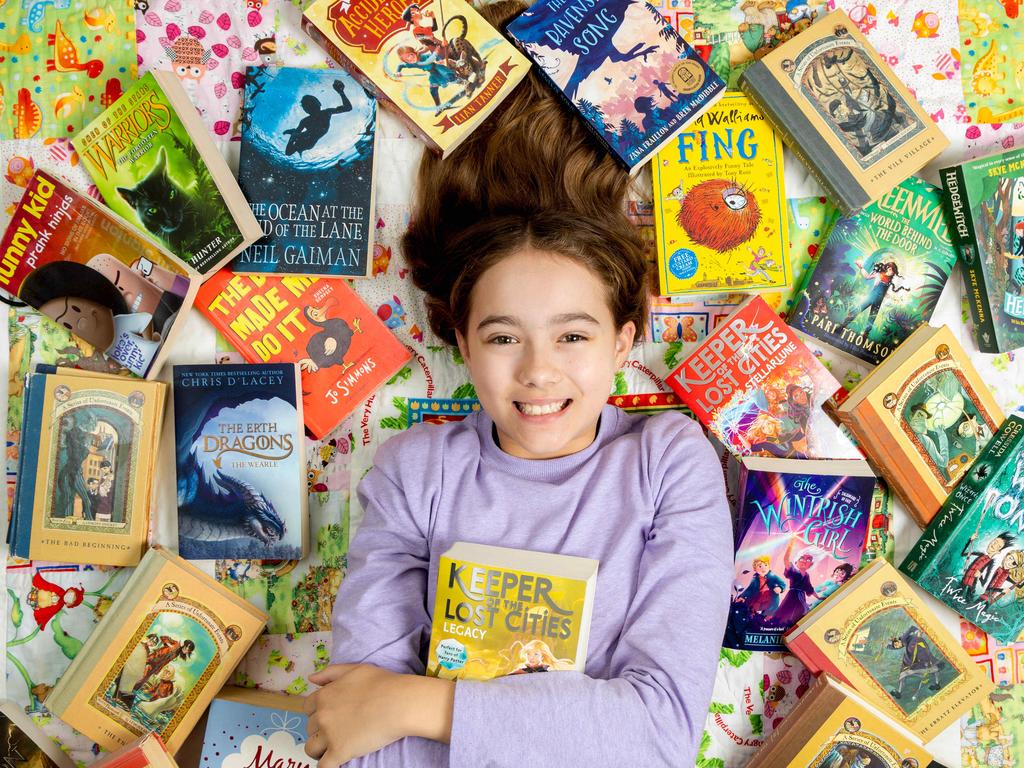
[646,498]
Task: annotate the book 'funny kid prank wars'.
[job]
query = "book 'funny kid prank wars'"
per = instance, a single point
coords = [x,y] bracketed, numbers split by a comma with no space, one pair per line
[755,385]
[154,163]
[720,204]
[306,167]
[879,275]
[626,71]
[985,200]
[344,352]
[971,556]
[501,611]
[239,451]
[436,63]
[90,272]
[802,533]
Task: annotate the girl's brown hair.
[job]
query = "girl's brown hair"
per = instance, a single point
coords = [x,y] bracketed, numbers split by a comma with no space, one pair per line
[530,177]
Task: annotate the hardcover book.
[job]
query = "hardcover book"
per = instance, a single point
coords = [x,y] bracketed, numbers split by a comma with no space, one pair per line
[879,275]
[841,110]
[254,727]
[720,204]
[985,201]
[85,468]
[155,165]
[147,751]
[24,743]
[239,455]
[970,555]
[344,352]
[755,385]
[435,63]
[89,271]
[877,636]
[158,657]
[833,727]
[306,168]
[627,72]
[803,528]
[922,416]
[501,611]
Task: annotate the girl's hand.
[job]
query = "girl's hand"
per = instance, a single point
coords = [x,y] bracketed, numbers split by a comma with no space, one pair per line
[361,708]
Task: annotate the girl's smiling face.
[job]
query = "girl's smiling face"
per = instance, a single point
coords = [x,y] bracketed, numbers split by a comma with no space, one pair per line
[542,349]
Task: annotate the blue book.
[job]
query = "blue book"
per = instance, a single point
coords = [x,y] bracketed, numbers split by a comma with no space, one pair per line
[19,533]
[255,728]
[240,470]
[306,168]
[622,66]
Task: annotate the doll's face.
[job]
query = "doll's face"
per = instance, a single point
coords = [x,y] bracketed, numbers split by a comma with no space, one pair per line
[88,319]
[140,294]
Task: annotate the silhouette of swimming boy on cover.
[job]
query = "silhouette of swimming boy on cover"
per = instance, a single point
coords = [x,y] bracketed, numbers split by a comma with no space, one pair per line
[315,124]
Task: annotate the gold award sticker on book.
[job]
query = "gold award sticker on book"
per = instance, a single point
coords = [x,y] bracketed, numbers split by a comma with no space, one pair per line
[687,76]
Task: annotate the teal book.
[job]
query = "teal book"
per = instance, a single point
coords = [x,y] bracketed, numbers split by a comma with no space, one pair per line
[971,555]
[880,274]
[985,202]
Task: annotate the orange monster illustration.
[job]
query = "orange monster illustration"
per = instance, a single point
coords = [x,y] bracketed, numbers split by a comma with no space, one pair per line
[719,215]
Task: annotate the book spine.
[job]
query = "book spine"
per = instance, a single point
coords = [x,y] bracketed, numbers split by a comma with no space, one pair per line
[803,139]
[311,29]
[962,233]
[20,533]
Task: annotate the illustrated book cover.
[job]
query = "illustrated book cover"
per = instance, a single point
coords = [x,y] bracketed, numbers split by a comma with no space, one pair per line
[239,445]
[306,168]
[879,275]
[841,110]
[343,350]
[985,201]
[970,556]
[625,70]
[147,751]
[501,611]
[85,468]
[156,166]
[803,529]
[437,64]
[921,417]
[93,274]
[24,743]
[160,654]
[877,636]
[758,388]
[833,727]
[720,204]
[254,727]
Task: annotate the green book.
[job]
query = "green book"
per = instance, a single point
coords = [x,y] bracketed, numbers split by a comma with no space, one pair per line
[971,555]
[155,165]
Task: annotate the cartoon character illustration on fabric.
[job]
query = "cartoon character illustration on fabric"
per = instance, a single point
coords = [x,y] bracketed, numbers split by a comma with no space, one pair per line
[47,599]
[392,313]
[37,12]
[65,55]
[266,49]
[313,482]
[329,345]
[918,661]
[314,126]
[883,273]
[190,60]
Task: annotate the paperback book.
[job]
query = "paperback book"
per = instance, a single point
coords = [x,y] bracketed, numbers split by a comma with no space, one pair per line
[803,528]
[343,350]
[501,611]
[879,275]
[435,63]
[158,657]
[624,69]
[254,727]
[720,204]
[90,272]
[841,110]
[970,556]
[306,168]
[922,417]
[877,636]
[239,455]
[985,200]
[156,166]
[85,467]
[755,385]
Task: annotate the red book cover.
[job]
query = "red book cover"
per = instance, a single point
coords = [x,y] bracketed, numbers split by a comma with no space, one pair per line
[342,349]
[760,390]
